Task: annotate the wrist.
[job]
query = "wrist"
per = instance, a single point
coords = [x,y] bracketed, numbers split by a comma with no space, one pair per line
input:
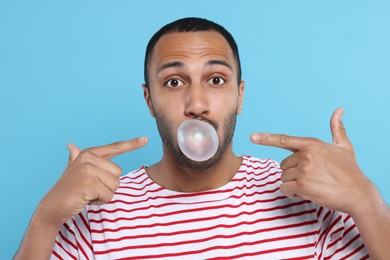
[44,218]
[39,239]
[367,202]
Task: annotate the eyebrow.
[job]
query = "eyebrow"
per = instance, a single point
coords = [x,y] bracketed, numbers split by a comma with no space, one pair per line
[219,62]
[173,64]
[178,64]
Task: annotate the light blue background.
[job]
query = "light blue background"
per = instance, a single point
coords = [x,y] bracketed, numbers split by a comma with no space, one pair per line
[71,72]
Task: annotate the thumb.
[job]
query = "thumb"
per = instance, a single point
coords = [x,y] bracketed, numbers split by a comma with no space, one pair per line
[337,128]
[74,151]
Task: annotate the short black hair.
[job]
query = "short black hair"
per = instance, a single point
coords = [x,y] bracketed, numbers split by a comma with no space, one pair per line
[191,24]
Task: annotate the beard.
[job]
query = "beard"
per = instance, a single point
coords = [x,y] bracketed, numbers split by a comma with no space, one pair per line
[169,138]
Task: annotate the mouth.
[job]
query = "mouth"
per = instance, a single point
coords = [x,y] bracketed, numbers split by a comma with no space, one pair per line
[197,139]
[213,123]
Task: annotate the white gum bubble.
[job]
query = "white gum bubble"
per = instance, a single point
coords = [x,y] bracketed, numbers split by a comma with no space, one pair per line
[197,139]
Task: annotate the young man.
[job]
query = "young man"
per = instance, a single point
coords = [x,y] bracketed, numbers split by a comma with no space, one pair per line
[227,207]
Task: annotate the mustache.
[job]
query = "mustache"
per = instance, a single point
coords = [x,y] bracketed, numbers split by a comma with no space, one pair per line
[213,123]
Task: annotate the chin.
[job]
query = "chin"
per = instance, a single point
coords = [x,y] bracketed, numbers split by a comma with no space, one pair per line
[196,166]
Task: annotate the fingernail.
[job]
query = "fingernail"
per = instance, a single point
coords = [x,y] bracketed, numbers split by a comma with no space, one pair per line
[255,138]
[142,140]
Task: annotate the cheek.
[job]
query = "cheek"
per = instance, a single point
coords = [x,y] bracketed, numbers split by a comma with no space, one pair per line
[223,103]
[170,110]
[167,103]
[224,112]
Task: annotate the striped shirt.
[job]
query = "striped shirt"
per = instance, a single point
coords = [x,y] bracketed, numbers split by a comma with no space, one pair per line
[248,218]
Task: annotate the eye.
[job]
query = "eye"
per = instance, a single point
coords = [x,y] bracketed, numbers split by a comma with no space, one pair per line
[216,81]
[174,83]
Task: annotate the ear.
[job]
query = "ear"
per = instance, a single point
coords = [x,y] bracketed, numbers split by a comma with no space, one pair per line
[240,97]
[148,99]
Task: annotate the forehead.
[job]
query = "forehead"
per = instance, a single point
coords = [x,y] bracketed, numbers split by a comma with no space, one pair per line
[190,45]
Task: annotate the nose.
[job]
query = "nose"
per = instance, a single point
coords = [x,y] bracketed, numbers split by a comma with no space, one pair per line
[196,101]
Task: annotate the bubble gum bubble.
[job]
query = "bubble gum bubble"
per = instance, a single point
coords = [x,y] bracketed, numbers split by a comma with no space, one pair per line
[197,139]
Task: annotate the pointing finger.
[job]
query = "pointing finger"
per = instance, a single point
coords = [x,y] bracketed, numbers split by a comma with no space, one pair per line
[290,143]
[111,150]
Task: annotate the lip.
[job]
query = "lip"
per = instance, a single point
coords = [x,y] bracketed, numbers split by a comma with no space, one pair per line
[213,123]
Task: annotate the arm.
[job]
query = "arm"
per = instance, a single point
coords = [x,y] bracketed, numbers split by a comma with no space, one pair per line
[90,177]
[38,241]
[328,175]
[372,219]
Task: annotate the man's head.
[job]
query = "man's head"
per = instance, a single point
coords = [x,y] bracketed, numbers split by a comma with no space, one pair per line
[190,25]
[191,71]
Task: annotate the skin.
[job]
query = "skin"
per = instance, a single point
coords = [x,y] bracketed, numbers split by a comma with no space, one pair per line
[327,174]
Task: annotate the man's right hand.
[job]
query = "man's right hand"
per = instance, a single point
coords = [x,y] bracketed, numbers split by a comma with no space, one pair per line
[90,177]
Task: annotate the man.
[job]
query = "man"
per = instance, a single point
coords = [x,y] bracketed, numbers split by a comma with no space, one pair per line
[226,207]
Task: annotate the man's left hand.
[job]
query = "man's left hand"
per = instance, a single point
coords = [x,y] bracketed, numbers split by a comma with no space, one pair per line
[327,174]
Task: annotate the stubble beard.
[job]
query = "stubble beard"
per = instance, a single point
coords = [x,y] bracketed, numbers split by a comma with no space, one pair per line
[168,136]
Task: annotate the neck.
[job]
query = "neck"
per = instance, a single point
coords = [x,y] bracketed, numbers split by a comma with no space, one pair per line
[172,175]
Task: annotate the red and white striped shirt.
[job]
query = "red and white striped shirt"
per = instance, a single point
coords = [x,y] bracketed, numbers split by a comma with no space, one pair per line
[248,218]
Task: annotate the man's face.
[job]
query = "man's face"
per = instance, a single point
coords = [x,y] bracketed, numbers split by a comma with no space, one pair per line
[194,75]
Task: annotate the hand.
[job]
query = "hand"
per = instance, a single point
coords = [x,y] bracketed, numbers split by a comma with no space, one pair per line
[90,177]
[327,174]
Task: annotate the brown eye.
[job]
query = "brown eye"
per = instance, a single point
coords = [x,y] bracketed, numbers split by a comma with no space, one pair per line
[173,83]
[216,81]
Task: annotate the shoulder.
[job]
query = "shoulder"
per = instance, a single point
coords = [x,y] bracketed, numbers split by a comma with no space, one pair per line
[257,165]
[133,187]
[134,176]
[265,171]
[135,182]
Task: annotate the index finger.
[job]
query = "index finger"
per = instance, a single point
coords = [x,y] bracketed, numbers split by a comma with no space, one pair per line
[111,150]
[287,142]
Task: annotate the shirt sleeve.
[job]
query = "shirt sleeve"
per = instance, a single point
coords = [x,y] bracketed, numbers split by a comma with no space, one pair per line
[74,239]
[338,237]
